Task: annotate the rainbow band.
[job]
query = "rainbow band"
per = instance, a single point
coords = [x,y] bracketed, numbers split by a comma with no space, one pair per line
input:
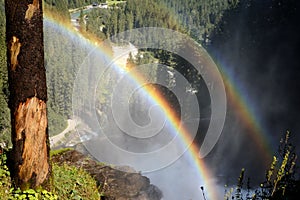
[249,119]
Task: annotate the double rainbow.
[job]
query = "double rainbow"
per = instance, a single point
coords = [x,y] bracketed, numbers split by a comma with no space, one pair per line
[248,118]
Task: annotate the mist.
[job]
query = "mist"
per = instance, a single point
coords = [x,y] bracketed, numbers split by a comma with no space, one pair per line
[256,44]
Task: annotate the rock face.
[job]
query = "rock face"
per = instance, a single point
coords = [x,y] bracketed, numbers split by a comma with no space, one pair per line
[116,184]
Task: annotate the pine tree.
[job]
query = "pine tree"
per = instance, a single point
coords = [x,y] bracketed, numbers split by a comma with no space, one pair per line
[28,92]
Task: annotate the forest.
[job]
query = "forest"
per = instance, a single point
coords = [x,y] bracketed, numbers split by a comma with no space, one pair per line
[62,60]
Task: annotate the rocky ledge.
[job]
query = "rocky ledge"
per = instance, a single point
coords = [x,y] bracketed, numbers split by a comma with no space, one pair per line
[116,184]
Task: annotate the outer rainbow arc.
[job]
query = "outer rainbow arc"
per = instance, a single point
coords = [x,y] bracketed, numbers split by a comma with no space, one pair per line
[248,119]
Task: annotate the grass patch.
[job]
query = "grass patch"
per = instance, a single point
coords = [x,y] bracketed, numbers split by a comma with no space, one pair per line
[73,183]
[59,151]
[68,183]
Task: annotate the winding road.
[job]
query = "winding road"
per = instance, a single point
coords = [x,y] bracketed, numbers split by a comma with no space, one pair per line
[55,139]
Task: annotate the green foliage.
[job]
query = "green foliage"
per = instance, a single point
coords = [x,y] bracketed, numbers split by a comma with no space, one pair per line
[4,111]
[280,183]
[59,151]
[58,5]
[68,183]
[197,18]
[63,56]
[5,181]
[73,183]
[129,15]
[280,177]
[56,122]
[238,194]
[7,192]
[31,194]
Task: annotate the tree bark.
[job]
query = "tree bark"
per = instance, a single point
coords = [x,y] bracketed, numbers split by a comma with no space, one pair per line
[28,92]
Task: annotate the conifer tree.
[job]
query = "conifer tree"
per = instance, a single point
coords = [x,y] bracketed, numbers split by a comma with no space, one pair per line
[28,92]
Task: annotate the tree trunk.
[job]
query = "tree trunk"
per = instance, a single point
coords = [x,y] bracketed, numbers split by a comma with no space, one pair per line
[28,92]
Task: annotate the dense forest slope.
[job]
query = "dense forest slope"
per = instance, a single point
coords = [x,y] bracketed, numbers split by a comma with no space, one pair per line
[63,57]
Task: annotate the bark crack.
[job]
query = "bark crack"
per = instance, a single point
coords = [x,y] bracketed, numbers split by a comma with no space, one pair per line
[30,128]
[32,8]
[15,47]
